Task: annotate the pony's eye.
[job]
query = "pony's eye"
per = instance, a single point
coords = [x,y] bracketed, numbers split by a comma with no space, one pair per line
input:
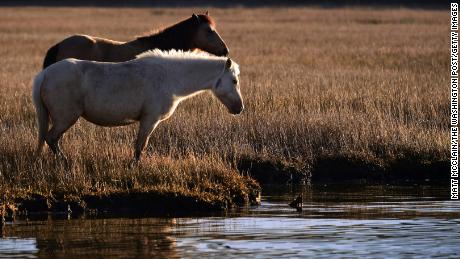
[235,81]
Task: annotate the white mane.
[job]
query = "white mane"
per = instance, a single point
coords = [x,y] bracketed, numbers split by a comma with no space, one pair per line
[178,54]
[186,55]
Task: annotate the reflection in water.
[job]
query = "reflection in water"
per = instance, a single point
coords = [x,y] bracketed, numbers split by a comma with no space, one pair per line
[21,248]
[342,221]
[98,237]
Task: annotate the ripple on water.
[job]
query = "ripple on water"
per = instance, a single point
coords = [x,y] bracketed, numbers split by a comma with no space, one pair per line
[323,237]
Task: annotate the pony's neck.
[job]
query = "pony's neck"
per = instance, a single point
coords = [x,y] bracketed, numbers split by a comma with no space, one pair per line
[178,36]
[197,76]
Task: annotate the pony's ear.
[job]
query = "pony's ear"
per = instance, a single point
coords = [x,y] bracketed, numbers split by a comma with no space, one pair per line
[207,13]
[228,64]
[196,17]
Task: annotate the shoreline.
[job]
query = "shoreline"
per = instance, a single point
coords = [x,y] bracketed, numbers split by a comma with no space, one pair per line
[131,202]
[338,170]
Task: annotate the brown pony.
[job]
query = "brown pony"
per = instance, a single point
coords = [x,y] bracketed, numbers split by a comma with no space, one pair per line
[196,32]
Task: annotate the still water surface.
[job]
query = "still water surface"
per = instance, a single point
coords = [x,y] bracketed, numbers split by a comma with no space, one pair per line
[336,221]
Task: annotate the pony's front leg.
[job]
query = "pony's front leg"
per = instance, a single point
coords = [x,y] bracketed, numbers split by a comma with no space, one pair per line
[146,127]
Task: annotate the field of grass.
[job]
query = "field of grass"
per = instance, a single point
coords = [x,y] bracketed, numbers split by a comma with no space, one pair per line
[328,92]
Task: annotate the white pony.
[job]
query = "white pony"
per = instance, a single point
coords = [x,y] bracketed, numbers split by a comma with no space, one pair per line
[146,89]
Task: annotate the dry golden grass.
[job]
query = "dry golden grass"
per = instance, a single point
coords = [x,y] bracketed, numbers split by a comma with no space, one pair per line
[359,83]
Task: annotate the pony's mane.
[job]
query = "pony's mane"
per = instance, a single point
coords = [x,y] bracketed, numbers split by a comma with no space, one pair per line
[152,33]
[178,54]
[174,54]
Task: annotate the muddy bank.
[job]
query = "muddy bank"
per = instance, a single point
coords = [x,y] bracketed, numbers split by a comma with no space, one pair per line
[130,202]
[347,169]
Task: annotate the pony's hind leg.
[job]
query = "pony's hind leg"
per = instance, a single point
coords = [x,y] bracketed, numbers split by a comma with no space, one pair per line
[52,139]
[146,127]
[55,133]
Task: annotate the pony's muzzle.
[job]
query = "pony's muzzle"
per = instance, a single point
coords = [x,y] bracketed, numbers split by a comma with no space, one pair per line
[237,110]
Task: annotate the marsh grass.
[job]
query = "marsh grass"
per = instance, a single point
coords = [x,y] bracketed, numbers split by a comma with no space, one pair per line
[356,84]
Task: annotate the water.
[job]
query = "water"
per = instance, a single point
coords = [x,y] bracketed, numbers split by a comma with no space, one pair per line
[336,221]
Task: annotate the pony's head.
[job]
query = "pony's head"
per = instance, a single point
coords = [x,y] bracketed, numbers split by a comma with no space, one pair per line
[206,37]
[227,88]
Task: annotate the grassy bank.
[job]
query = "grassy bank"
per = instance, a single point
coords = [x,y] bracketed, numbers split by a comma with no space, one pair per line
[97,182]
[325,90]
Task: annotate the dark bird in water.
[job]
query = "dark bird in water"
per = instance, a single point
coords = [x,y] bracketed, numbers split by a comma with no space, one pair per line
[297,203]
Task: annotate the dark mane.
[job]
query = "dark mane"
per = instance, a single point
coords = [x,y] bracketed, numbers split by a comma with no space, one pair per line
[178,36]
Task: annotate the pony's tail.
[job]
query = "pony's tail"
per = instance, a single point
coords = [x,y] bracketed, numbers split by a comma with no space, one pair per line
[42,112]
[51,56]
